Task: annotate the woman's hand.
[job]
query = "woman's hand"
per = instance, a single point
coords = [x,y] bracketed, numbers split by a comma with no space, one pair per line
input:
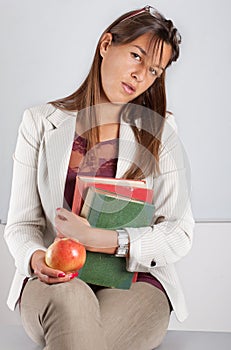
[71,225]
[45,273]
[94,239]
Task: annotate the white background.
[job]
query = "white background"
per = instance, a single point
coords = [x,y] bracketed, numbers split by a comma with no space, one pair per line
[47,49]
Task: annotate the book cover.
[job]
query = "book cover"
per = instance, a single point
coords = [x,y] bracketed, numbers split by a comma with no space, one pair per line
[110,211]
[130,188]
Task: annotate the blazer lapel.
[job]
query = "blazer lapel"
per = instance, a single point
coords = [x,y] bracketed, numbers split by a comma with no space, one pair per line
[127,150]
[58,143]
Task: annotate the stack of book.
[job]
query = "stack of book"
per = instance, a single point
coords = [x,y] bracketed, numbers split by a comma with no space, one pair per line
[111,204]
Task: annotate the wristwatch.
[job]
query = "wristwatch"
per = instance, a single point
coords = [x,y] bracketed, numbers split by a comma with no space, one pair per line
[123,241]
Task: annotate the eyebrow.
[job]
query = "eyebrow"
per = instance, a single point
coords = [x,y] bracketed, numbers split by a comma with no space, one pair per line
[145,54]
[141,50]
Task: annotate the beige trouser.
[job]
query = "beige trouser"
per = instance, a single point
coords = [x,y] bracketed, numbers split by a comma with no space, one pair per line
[70,316]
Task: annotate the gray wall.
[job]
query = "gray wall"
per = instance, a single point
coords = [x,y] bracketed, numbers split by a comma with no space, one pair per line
[47,49]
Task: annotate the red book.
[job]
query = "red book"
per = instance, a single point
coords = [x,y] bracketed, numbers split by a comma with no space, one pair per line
[134,189]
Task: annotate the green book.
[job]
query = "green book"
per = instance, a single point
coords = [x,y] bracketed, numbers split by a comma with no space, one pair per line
[110,211]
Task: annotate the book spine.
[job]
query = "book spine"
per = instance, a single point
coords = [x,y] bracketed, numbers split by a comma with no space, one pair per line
[143,194]
[135,275]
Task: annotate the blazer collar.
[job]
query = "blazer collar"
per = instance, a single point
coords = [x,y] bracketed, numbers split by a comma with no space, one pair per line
[57,116]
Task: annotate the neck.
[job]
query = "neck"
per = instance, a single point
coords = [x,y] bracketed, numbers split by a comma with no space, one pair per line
[109,112]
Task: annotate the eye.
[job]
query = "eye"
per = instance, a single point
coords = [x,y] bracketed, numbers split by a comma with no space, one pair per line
[136,56]
[153,71]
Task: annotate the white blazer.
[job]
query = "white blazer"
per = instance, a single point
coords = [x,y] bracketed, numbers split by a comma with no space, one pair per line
[41,161]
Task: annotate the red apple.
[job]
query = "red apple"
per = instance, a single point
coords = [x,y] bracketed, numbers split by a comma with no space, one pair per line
[66,254]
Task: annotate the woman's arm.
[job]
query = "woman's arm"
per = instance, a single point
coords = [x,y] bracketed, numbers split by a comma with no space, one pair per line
[26,222]
[169,240]
[94,239]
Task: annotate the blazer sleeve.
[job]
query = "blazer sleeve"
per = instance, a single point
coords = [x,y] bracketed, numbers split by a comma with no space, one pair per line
[170,236]
[25,221]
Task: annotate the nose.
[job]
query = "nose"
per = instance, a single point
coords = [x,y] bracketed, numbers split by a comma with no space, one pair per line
[139,74]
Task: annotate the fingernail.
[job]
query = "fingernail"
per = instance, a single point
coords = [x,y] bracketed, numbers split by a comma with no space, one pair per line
[62,274]
[73,275]
[58,208]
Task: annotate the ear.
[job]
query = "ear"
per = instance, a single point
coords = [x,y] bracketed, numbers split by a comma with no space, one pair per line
[105,43]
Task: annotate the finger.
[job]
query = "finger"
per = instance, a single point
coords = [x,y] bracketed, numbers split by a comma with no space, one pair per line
[53,273]
[85,221]
[58,223]
[62,217]
[59,226]
[49,275]
[63,212]
[48,271]
[53,280]
[59,236]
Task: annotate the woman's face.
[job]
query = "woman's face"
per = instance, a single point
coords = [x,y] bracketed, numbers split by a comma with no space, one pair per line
[128,70]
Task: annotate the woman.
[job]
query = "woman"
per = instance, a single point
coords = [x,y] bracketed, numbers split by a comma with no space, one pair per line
[121,130]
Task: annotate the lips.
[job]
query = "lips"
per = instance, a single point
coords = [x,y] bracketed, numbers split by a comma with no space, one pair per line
[128,88]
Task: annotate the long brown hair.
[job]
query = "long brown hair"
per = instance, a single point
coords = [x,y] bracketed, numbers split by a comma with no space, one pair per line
[124,30]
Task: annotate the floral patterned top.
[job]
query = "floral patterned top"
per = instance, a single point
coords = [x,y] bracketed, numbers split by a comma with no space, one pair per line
[100,161]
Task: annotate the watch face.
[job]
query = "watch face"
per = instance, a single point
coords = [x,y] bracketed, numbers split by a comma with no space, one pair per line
[121,251]
[123,240]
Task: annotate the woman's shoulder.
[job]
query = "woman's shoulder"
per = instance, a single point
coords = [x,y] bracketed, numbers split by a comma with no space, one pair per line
[41,111]
[170,127]
[46,114]
[38,113]
[171,121]
[170,132]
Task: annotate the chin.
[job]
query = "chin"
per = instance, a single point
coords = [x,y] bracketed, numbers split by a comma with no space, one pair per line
[118,99]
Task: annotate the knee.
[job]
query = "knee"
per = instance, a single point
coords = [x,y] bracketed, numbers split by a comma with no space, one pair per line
[70,295]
